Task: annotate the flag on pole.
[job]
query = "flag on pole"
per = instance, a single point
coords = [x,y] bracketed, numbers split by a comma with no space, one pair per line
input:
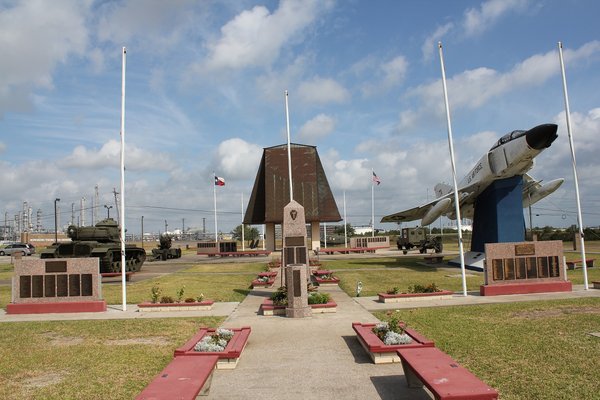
[219,181]
[376,179]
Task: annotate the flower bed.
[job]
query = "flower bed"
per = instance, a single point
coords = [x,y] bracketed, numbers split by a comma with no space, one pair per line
[401,297]
[381,353]
[229,357]
[263,282]
[270,274]
[203,305]
[268,308]
[325,277]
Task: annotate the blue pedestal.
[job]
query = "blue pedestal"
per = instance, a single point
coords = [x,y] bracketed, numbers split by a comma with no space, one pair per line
[498,216]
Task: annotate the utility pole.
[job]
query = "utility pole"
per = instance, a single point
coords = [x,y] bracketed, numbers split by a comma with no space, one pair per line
[117,205]
[72,213]
[82,211]
[166,225]
[95,206]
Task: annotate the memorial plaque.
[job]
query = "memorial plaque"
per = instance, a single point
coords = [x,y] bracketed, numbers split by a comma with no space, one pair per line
[521,268]
[554,267]
[498,269]
[62,287]
[86,285]
[56,266]
[509,268]
[25,286]
[295,241]
[531,269]
[524,249]
[50,286]
[37,286]
[543,271]
[297,283]
[74,285]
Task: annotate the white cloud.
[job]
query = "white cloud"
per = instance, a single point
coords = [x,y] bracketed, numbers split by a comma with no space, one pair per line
[430,44]
[478,20]
[382,77]
[37,36]
[237,159]
[322,91]
[271,83]
[109,156]
[255,37]
[316,128]
[155,24]
[473,88]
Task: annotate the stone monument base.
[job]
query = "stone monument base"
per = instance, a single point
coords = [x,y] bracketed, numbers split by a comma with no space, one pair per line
[57,307]
[525,288]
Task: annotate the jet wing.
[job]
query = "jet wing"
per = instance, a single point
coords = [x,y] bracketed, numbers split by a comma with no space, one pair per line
[467,196]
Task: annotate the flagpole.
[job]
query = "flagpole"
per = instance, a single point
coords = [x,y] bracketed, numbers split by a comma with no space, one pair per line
[372,203]
[289,147]
[456,199]
[243,248]
[215,201]
[574,164]
[123,265]
[345,223]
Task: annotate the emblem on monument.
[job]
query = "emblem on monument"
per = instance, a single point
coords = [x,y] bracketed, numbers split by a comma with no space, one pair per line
[293,214]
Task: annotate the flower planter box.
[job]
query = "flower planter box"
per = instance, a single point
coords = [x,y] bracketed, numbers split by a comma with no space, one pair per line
[258,283]
[381,353]
[270,274]
[268,308]
[318,275]
[228,358]
[204,305]
[402,297]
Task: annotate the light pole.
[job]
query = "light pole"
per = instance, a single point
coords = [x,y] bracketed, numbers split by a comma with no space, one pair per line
[108,210]
[55,221]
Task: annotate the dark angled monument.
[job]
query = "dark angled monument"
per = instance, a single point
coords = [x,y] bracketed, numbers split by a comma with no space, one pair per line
[271,191]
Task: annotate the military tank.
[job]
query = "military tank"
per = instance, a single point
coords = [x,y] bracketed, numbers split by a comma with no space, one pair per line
[164,250]
[100,241]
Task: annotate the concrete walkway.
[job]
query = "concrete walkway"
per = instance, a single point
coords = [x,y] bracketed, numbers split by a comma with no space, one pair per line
[309,358]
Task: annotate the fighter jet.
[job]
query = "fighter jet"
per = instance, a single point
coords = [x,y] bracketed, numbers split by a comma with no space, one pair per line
[512,155]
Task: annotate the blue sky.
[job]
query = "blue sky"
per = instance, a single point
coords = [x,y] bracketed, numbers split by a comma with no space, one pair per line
[205,92]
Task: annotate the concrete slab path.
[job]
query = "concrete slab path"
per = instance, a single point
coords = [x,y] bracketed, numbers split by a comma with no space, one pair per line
[308,358]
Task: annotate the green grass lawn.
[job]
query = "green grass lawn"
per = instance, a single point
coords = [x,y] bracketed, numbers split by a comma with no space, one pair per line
[103,359]
[533,350]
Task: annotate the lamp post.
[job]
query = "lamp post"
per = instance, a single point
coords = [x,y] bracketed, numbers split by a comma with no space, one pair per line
[55,221]
[108,210]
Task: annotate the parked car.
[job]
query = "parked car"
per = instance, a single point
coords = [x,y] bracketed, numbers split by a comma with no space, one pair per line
[24,248]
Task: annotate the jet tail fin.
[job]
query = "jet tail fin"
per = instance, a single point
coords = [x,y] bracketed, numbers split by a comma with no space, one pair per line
[442,189]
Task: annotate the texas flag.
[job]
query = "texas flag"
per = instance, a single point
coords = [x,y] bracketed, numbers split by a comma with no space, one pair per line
[219,181]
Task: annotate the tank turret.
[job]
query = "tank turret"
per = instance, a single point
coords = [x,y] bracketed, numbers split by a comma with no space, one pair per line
[102,241]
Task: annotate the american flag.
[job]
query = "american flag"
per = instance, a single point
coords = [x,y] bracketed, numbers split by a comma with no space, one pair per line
[376,179]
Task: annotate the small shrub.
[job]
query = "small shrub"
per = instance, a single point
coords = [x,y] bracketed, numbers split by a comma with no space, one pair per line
[155,293]
[431,288]
[394,290]
[318,298]
[280,296]
[216,342]
[167,300]
[180,294]
[190,300]
[200,298]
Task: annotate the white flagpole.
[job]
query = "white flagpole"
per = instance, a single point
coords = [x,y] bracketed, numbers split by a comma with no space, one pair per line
[215,201]
[123,265]
[569,131]
[372,203]
[345,223]
[289,147]
[456,199]
[243,248]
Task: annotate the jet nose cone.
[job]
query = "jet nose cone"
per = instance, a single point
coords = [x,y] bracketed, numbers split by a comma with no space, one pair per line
[542,136]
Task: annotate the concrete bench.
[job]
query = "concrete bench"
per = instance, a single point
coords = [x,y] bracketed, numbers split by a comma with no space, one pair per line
[442,375]
[183,378]
[117,274]
[589,262]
